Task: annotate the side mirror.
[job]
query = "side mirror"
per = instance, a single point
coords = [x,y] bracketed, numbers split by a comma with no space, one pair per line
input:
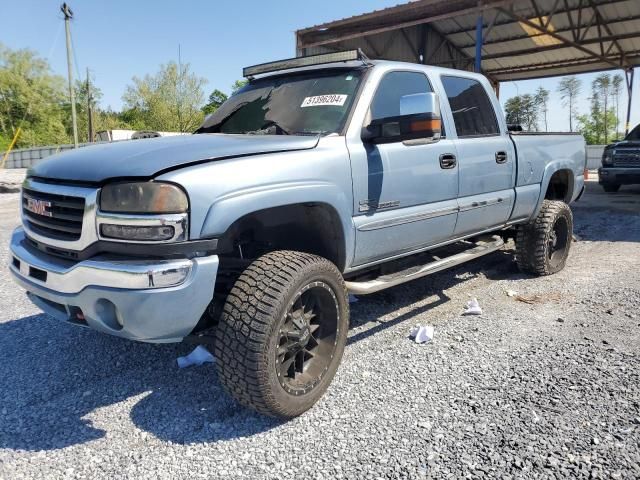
[419,119]
[420,103]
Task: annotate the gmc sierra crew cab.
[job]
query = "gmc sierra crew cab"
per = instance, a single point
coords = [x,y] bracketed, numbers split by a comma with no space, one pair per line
[323,176]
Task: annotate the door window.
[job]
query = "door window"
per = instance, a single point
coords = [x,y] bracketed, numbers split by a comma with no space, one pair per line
[473,113]
[386,102]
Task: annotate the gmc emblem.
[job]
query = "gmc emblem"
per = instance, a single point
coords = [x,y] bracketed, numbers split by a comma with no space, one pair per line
[39,207]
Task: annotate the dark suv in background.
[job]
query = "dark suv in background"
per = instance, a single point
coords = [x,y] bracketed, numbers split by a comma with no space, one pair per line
[621,162]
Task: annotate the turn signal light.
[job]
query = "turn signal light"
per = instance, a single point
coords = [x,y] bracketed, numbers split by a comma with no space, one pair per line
[127,232]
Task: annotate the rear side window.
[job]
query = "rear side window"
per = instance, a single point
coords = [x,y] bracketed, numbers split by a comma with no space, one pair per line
[386,102]
[473,112]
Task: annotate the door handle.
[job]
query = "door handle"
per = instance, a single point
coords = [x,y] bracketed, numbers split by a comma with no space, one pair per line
[448,160]
[501,157]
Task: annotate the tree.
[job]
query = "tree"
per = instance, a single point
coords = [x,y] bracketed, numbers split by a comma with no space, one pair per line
[602,89]
[170,100]
[216,98]
[523,110]
[237,85]
[542,99]
[82,110]
[600,124]
[616,90]
[32,98]
[591,126]
[569,89]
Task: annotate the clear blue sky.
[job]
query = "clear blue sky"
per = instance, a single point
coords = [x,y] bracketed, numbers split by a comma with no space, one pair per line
[119,39]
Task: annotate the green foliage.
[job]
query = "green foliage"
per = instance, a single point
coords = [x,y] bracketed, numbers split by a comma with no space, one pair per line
[616,91]
[30,97]
[600,125]
[523,110]
[216,98]
[591,126]
[170,100]
[569,89]
[4,142]
[237,85]
[542,100]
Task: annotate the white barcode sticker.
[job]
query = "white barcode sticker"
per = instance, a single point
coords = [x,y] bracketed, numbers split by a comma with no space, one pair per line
[323,100]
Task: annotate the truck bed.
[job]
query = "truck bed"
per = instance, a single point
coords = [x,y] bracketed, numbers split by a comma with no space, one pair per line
[539,156]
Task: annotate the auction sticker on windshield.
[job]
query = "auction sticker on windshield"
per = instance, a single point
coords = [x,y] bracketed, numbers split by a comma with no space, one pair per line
[323,100]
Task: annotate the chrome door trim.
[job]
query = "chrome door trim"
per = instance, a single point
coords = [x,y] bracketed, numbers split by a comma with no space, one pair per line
[414,217]
[479,204]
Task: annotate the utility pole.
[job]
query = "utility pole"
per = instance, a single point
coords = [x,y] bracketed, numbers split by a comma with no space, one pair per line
[178,88]
[68,15]
[89,111]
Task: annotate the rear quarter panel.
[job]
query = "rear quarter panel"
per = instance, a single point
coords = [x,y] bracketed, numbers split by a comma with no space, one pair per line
[539,157]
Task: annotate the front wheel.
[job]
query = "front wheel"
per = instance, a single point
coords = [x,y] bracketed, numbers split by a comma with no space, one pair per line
[282,332]
[542,246]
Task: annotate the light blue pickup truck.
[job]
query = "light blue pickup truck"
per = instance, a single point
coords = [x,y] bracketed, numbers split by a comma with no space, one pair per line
[323,176]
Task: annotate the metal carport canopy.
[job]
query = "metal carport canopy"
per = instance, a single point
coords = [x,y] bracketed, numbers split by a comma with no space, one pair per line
[504,39]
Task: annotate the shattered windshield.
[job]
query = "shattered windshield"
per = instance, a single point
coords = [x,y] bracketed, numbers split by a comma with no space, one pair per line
[312,103]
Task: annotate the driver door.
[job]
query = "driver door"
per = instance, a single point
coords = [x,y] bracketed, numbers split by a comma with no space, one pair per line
[404,192]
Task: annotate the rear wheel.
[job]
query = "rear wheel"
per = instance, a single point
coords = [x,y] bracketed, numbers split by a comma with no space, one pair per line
[282,332]
[542,246]
[610,187]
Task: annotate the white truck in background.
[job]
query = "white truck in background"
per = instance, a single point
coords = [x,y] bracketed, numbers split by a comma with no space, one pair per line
[121,134]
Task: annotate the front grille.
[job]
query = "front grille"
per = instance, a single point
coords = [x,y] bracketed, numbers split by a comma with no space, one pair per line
[627,158]
[65,219]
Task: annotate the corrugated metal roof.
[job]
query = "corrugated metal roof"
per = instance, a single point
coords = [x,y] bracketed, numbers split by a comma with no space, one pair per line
[536,38]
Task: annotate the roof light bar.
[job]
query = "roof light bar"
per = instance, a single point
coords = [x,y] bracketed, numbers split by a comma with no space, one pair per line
[345,56]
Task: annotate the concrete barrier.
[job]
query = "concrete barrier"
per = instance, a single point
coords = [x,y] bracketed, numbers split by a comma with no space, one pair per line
[594,156]
[28,157]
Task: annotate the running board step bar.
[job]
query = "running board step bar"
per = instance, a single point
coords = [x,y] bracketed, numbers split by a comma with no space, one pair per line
[482,246]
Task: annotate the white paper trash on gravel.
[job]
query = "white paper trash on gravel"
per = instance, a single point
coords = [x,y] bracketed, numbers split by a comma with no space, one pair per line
[198,356]
[421,333]
[473,307]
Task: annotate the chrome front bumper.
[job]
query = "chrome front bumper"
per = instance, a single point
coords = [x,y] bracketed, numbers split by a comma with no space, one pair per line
[154,301]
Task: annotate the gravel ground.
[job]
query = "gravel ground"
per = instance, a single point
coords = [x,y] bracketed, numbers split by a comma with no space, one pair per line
[11,178]
[549,389]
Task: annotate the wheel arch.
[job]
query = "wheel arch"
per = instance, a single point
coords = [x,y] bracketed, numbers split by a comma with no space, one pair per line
[558,183]
[324,202]
[311,227]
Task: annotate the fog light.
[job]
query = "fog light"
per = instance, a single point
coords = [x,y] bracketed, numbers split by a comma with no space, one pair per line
[127,232]
[168,277]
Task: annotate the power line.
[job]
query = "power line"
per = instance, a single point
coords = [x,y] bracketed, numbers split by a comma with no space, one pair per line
[75,58]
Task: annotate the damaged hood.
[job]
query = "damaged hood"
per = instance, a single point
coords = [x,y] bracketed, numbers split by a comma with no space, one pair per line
[147,157]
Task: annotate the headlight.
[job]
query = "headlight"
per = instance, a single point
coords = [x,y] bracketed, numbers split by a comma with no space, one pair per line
[143,197]
[607,157]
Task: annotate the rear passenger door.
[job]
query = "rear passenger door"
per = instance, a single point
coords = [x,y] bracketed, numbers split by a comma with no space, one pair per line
[486,157]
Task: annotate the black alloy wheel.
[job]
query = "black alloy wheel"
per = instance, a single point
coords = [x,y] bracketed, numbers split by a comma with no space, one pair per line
[308,338]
